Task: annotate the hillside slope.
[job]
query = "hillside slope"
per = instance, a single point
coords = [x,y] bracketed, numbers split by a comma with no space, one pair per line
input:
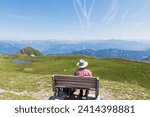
[122,78]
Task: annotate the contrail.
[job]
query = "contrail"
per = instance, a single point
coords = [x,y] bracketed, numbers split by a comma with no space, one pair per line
[89,12]
[112,12]
[91,8]
[85,9]
[82,11]
[77,12]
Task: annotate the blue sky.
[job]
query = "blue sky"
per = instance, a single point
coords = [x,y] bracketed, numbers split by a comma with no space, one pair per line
[75,19]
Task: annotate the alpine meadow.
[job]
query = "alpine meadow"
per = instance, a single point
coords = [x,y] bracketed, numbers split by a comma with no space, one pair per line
[119,78]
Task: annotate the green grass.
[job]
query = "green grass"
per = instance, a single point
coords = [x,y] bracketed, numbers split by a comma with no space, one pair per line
[24,81]
[125,79]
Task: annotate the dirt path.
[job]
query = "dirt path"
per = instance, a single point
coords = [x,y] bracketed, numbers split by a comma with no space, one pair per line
[45,95]
[41,95]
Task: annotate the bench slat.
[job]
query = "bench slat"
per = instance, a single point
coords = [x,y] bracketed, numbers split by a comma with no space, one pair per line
[74,86]
[76,80]
[69,76]
[70,82]
[77,85]
[90,79]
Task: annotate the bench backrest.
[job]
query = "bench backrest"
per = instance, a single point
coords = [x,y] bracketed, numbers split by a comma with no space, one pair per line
[68,81]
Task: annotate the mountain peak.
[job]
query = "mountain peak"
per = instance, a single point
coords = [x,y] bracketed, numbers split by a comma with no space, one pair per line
[31,51]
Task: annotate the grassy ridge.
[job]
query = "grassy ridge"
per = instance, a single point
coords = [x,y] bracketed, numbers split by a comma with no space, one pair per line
[118,76]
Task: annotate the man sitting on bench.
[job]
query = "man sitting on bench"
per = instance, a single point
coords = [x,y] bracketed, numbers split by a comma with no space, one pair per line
[83,72]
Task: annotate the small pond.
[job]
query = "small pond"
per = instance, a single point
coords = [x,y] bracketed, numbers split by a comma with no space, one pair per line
[21,61]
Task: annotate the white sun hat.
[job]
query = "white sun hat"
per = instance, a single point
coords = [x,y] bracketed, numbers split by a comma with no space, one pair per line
[82,64]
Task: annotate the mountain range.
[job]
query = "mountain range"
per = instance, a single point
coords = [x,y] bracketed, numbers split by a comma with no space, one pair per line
[147,58]
[115,53]
[98,48]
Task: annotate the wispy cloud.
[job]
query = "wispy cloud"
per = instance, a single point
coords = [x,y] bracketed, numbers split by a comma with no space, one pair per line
[13,16]
[17,17]
[125,15]
[112,12]
[142,9]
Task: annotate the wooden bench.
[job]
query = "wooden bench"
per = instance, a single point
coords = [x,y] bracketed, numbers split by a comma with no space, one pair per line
[74,82]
